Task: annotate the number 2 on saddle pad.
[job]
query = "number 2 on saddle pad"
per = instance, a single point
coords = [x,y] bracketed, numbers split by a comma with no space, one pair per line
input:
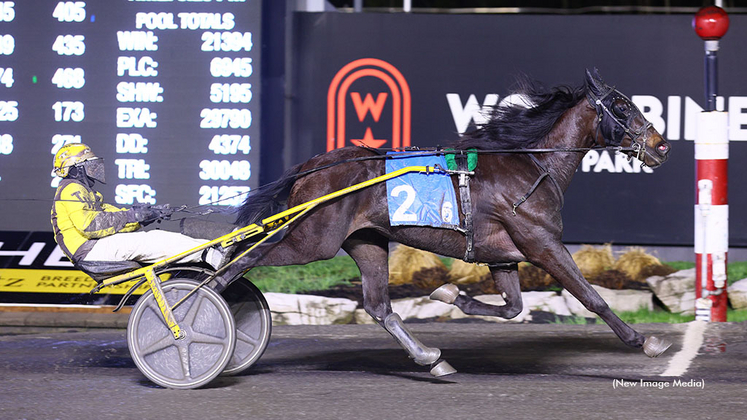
[419,199]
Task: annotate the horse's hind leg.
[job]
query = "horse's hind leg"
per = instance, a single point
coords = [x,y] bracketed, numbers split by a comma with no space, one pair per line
[370,252]
[506,281]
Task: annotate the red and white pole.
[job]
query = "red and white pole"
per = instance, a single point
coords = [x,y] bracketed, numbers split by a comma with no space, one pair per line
[711,174]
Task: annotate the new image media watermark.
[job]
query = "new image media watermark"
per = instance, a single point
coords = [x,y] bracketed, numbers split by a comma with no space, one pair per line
[676,383]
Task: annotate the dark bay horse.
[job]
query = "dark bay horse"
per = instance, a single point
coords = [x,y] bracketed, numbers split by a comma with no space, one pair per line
[568,121]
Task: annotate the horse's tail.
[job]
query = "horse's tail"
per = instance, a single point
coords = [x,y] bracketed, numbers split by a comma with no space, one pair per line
[267,199]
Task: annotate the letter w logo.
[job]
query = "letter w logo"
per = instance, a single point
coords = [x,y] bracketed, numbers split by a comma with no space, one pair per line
[396,94]
[362,107]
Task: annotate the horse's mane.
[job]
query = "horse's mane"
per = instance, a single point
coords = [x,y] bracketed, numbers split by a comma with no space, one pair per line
[516,126]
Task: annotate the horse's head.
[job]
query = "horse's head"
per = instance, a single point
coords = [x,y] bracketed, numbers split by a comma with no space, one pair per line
[622,124]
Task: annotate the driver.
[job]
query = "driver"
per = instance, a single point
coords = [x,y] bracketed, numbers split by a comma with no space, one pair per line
[89,230]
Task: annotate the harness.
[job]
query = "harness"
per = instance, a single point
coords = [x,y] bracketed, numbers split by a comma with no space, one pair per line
[544,173]
[467,227]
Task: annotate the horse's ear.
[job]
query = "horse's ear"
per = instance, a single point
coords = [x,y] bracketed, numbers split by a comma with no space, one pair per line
[594,82]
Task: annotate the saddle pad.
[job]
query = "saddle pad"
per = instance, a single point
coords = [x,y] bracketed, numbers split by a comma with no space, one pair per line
[418,199]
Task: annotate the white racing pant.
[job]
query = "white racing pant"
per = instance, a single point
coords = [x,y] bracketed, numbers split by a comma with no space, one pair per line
[149,247]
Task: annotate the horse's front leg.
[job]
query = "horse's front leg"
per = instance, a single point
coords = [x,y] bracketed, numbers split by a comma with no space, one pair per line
[557,261]
[506,281]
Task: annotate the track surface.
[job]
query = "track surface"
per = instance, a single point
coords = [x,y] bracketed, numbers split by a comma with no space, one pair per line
[525,371]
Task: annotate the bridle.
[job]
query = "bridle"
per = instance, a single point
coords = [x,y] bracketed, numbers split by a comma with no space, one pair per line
[637,137]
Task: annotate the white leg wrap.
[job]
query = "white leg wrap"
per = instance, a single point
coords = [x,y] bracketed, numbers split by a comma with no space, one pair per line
[446,293]
[421,354]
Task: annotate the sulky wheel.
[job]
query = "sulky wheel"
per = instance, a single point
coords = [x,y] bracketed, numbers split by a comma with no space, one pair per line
[197,358]
[250,310]
[253,324]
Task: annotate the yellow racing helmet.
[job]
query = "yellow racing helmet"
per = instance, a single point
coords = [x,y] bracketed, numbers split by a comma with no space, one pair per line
[70,155]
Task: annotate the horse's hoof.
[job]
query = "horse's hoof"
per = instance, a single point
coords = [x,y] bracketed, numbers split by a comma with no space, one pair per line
[446,293]
[654,346]
[442,368]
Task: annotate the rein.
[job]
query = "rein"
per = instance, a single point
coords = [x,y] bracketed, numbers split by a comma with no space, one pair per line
[409,152]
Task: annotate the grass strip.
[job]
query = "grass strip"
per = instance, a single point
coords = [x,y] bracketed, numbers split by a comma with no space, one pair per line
[318,275]
[734,271]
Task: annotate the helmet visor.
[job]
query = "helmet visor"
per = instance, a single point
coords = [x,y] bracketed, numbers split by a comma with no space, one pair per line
[95,169]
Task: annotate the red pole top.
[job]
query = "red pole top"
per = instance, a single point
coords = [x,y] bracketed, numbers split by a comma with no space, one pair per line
[711,23]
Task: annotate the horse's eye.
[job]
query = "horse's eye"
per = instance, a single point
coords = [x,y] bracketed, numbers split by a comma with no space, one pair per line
[620,109]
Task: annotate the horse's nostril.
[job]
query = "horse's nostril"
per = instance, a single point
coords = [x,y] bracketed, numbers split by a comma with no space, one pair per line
[662,148]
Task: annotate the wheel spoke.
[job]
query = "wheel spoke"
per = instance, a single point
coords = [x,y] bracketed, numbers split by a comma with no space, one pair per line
[242,336]
[198,337]
[192,307]
[164,343]
[242,307]
[184,359]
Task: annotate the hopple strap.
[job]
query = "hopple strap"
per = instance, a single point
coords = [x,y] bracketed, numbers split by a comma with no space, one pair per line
[466,200]
[544,173]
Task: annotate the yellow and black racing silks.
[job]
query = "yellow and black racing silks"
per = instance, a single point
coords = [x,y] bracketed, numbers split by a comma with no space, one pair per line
[80,216]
